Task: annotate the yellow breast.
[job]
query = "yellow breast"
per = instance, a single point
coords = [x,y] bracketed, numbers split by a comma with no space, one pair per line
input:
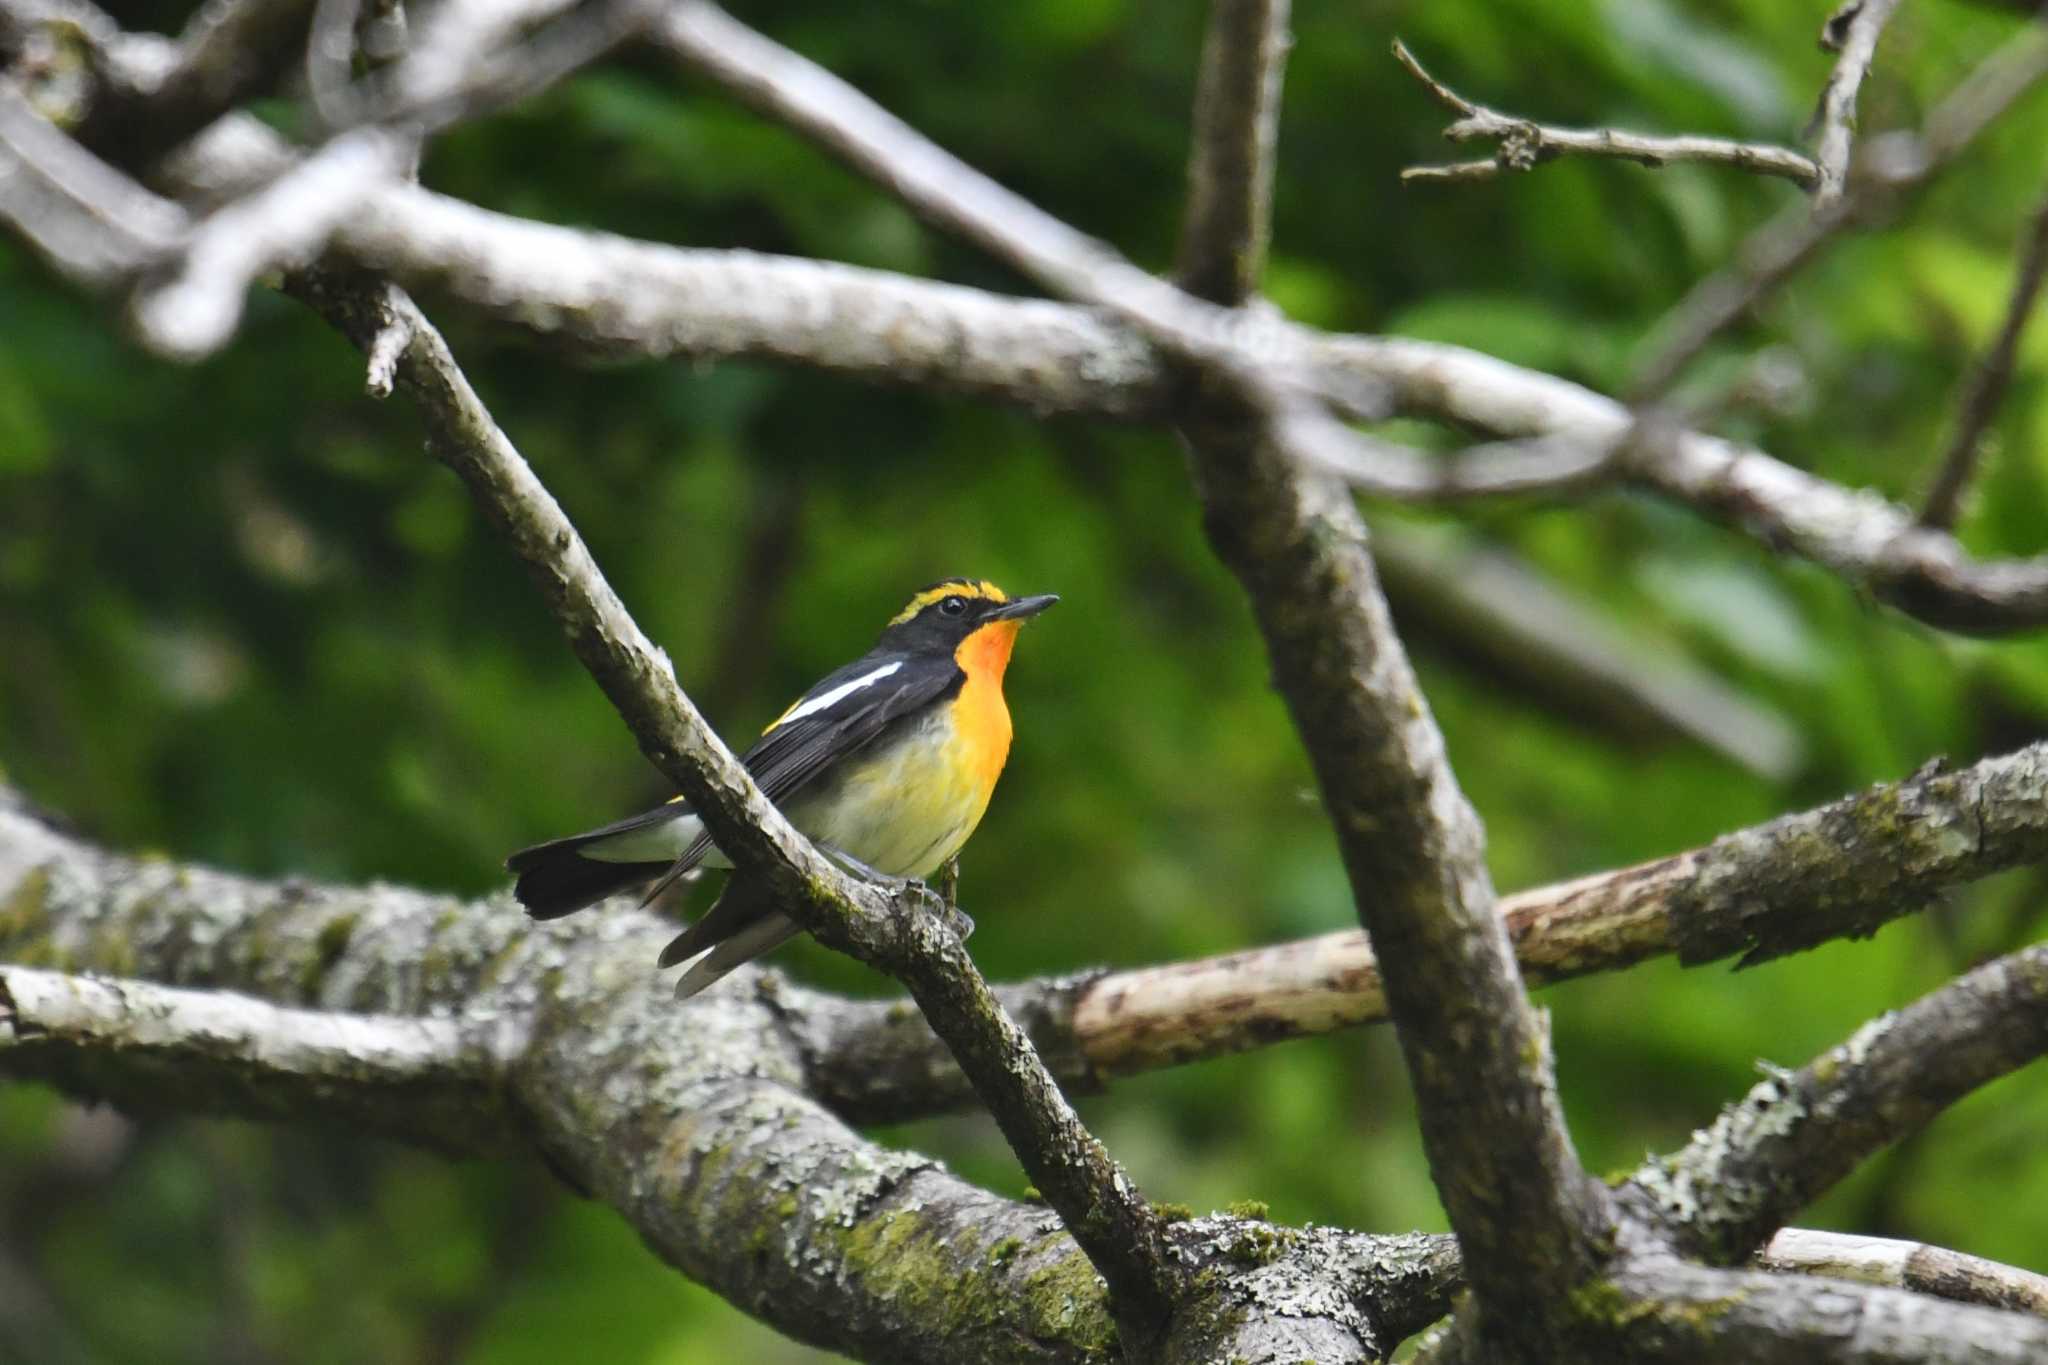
[906,808]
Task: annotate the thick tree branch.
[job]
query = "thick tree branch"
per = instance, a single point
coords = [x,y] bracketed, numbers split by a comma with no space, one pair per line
[1797,1133]
[616,295]
[438,1082]
[690,1121]
[1527,1216]
[1525,145]
[1839,871]
[1988,381]
[1660,1309]
[1410,842]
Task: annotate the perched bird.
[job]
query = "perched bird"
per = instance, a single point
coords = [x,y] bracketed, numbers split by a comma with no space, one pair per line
[886,764]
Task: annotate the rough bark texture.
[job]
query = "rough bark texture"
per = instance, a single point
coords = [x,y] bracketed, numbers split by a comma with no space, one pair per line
[1529,1218]
[1839,870]
[692,1121]
[1798,1132]
[436,1082]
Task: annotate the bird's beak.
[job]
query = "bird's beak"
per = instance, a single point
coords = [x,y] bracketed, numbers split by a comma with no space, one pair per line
[1022,607]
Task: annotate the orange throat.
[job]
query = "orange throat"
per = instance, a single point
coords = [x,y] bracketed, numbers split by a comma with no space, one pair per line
[980,717]
[984,655]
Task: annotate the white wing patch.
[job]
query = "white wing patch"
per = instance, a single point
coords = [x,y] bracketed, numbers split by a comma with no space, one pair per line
[838,694]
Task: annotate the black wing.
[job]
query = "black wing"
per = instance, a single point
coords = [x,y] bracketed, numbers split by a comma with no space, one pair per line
[798,747]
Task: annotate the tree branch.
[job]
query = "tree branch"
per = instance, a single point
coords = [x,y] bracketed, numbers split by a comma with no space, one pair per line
[1410,842]
[1525,145]
[438,1082]
[1915,1266]
[617,295]
[1796,1133]
[689,1120]
[1894,169]
[1663,1309]
[1227,223]
[1839,871]
[1987,383]
[1852,31]
[1106,1214]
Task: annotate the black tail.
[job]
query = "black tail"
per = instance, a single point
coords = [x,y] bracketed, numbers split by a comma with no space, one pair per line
[556,881]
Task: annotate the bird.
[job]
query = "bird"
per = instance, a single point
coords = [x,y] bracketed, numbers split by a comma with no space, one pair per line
[887,764]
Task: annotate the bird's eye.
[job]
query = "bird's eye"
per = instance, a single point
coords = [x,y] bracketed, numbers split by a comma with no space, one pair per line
[953,606]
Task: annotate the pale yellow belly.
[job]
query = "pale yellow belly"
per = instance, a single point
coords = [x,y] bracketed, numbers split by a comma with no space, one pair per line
[903,811]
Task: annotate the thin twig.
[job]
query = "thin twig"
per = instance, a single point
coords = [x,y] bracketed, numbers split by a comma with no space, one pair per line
[1893,168]
[1525,144]
[1852,31]
[1988,381]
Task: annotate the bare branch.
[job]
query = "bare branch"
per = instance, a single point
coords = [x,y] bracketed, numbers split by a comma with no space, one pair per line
[1840,871]
[1662,1309]
[1230,166]
[1797,1133]
[1529,1219]
[1108,1217]
[1987,384]
[617,295]
[1916,1266]
[689,1120]
[87,219]
[1525,144]
[1250,349]
[1869,542]
[1894,168]
[195,311]
[1852,31]
[432,1081]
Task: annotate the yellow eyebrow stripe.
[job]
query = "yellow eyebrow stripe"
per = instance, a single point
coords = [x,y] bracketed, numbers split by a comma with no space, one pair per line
[952,587]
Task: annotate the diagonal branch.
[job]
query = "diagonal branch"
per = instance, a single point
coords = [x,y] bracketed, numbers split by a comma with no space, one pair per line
[1839,871]
[439,1082]
[1106,1214]
[1797,1133]
[1526,1216]
[1525,144]
[1897,168]
[1852,31]
[1988,381]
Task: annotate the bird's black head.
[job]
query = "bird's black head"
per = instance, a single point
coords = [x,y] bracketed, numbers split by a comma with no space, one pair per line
[938,618]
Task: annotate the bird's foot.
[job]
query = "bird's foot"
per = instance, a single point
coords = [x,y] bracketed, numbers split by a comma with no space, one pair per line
[895,886]
[937,899]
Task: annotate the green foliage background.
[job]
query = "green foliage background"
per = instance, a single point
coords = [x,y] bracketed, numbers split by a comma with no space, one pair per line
[243,620]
